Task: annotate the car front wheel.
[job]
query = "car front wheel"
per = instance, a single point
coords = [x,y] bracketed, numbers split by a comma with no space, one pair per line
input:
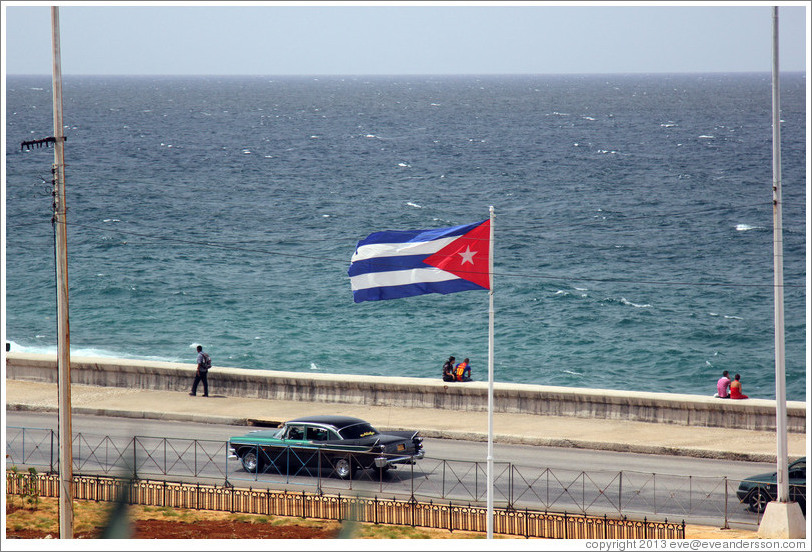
[344,468]
[250,462]
[757,501]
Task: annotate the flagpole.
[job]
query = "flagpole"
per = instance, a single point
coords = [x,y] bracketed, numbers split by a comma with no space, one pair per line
[778,279]
[490,381]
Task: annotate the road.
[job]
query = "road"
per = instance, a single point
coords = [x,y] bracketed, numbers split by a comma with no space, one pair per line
[548,478]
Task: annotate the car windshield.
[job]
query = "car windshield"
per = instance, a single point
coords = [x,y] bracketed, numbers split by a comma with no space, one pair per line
[356,431]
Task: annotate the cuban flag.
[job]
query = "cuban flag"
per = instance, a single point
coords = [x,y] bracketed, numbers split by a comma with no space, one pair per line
[395,264]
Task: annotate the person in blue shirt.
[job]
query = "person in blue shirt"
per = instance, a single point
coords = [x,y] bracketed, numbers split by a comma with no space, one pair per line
[462,371]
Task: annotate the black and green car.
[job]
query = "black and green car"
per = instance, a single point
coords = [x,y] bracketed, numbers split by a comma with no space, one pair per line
[758,490]
[341,444]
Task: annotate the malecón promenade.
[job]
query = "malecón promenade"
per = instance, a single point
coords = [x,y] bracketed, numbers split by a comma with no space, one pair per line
[654,423]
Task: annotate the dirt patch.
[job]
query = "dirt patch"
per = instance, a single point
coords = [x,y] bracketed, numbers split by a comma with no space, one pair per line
[211,529]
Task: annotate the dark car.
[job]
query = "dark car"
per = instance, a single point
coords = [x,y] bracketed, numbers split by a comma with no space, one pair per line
[758,490]
[339,443]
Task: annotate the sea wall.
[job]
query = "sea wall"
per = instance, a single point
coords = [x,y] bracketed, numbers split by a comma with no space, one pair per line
[667,408]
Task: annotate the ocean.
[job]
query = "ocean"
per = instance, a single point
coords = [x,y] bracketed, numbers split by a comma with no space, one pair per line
[633,223]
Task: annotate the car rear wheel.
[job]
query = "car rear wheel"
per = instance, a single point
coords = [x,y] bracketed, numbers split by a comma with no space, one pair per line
[250,461]
[344,468]
[757,501]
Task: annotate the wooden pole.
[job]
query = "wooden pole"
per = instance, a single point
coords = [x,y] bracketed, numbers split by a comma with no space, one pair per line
[61,259]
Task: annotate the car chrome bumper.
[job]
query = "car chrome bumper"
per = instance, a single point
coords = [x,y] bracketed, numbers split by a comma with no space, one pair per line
[383,461]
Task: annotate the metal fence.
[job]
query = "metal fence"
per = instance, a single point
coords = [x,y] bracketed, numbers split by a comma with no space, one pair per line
[634,494]
[450,516]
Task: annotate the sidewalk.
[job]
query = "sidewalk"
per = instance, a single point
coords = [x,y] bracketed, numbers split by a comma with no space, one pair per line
[614,435]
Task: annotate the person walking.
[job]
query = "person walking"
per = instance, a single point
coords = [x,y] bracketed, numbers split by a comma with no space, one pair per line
[203,365]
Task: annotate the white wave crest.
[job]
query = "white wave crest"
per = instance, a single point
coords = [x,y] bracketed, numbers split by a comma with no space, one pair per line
[635,305]
[415,205]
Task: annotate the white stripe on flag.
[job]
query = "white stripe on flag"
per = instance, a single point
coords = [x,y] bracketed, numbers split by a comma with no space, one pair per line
[400,278]
[398,249]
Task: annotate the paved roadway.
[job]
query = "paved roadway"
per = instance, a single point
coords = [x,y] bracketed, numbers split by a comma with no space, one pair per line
[536,477]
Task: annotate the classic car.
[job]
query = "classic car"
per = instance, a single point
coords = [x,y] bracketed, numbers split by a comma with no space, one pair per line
[339,443]
[760,489]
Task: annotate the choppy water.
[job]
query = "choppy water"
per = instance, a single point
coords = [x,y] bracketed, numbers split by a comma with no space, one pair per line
[633,229]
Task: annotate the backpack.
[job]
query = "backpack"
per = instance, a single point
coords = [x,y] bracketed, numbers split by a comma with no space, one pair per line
[206,362]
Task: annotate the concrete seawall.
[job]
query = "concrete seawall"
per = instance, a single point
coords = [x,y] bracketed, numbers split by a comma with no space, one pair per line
[667,408]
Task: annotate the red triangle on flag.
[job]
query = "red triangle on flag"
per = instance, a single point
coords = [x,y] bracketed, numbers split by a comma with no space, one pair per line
[467,256]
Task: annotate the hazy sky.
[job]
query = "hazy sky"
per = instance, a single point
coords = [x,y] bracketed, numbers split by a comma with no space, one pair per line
[314,38]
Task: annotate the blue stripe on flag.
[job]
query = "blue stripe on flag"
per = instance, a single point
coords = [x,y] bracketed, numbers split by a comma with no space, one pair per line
[408,236]
[410,290]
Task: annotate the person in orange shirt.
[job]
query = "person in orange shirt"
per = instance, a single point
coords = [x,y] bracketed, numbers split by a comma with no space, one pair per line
[462,371]
[736,388]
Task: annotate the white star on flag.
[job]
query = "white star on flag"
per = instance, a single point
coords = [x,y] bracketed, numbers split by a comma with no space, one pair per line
[467,255]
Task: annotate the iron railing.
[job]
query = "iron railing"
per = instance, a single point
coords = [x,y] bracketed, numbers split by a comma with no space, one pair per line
[704,500]
[448,516]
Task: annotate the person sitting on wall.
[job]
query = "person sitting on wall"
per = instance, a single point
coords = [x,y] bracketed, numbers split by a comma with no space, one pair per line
[722,386]
[462,371]
[448,369]
[736,388]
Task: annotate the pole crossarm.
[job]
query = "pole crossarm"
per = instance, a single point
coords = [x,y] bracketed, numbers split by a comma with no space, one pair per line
[42,142]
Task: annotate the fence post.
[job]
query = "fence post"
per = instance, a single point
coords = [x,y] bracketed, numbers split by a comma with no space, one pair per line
[51,460]
[442,492]
[690,493]
[727,526]
[620,495]
[135,459]
[565,524]
[583,492]
[226,483]
[318,476]
[412,488]
[450,517]
[376,510]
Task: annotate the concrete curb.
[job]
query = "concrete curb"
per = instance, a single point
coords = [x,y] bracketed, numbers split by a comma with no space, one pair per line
[429,433]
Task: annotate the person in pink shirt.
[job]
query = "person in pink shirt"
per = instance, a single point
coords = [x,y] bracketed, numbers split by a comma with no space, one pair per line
[722,386]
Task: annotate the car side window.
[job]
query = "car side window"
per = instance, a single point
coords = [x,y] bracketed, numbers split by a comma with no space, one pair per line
[295,433]
[317,434]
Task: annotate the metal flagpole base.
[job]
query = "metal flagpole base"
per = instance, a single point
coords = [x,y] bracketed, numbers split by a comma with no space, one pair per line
[782,520]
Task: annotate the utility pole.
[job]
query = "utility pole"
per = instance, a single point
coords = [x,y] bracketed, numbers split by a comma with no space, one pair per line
[63,332]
